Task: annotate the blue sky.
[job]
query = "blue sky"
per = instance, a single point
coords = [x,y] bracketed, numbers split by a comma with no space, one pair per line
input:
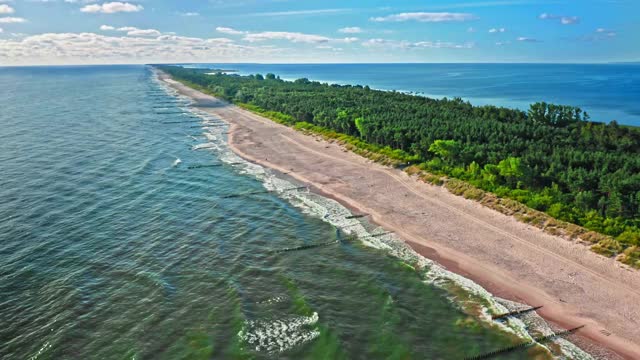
[142,31]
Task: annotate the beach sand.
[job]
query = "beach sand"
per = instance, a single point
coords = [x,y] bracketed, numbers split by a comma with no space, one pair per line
[512,260]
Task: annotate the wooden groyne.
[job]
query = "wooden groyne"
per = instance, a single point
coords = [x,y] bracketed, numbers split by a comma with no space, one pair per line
[179,122]
[378,235]
[260,192]
[201,166]
[525,345]
[515,313]
[169,112]
[357,216]
[305,247]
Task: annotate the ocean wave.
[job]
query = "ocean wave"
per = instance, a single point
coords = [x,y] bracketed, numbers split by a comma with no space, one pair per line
[279,335]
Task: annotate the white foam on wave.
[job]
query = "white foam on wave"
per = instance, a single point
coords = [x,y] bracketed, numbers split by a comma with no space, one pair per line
[273,300]
[337,215]
[203,146]
[176,162]
[279,335]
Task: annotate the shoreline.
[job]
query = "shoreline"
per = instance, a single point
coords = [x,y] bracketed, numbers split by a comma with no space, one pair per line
[451,230]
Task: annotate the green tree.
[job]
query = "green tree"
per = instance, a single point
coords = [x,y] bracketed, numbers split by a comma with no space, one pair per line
[447,150]
[511,169]
[361,126]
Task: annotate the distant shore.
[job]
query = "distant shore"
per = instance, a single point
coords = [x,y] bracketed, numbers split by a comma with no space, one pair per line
[508,258]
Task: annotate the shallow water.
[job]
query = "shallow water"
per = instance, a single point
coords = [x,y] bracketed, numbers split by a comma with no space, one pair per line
[116,243]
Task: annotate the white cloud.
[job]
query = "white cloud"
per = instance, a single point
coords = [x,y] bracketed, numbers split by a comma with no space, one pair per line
[442,45]
[569,20]
[609,33]
[564,20]
[91,48]
[229,31]
[503,43]
[426,17]
[328,47]
[416,45]
[497,30]
[6,9]
[294,37]
[1,31]
[11,20]
[351,30]
[132,31]
[376,42]
[283,35]
[302,12]
[471,30]
[527,39]
[600,34]
[190,14]
[111,8]
[144,32]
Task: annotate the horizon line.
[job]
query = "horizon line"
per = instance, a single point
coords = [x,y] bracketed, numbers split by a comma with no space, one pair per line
[331,63]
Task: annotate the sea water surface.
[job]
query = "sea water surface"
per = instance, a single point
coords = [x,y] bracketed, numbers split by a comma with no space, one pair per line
[606,91]
[128,230]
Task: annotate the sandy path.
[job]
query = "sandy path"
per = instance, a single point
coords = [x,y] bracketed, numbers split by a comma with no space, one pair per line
[509,258]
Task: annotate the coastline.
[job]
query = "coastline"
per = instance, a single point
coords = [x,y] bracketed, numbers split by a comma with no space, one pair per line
[513,261]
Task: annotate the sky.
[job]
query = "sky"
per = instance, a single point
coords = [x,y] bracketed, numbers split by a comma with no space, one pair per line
[42,32]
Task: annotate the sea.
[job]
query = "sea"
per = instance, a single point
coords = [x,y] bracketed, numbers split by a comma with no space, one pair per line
[129,230]
[606,91]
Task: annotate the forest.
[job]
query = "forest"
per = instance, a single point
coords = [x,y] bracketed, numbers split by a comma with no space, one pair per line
[552,158]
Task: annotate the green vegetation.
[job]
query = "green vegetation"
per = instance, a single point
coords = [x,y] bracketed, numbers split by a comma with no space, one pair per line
[567,170]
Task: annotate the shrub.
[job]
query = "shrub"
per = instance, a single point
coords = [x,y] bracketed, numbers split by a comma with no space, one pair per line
[607,247]
[473,194]
[631,257]
[629,237]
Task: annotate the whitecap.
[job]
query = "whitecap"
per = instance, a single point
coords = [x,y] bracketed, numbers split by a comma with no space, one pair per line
[279,335]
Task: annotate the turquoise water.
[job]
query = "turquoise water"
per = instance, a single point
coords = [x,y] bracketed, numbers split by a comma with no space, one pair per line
[606,91]
[115,244]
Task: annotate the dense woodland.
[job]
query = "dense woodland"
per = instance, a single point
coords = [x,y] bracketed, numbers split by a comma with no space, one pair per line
[551,158]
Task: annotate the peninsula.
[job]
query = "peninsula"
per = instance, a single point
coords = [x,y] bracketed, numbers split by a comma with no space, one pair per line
[511,259]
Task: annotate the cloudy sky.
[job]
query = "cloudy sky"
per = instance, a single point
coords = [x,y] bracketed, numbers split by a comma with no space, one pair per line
[143,31]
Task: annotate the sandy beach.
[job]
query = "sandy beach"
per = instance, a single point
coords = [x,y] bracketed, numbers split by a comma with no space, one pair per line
[510,259]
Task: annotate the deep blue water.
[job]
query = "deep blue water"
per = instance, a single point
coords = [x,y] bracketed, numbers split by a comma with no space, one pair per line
[606,91]
[115,242]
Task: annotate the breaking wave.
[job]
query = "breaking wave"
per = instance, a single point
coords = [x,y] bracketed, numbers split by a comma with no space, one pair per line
[276,336]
